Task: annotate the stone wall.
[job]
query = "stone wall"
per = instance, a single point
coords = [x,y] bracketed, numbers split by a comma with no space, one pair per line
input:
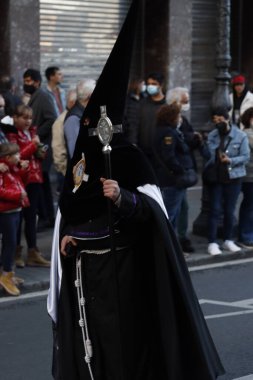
[19,22]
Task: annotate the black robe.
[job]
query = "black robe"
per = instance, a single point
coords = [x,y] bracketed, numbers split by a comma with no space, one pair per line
[145,323]
[148,327]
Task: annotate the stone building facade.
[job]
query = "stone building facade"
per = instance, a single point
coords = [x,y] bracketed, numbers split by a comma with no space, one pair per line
[177,37]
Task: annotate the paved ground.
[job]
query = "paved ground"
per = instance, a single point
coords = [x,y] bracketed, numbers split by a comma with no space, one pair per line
[225,296]
[38,278]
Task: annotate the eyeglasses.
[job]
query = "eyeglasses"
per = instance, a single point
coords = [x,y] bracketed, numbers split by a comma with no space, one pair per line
[1,106]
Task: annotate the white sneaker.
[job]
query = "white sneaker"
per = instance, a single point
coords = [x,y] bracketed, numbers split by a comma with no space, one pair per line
[213,249]
[230,246]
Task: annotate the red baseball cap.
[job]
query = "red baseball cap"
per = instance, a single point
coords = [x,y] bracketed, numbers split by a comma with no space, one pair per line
[238,79]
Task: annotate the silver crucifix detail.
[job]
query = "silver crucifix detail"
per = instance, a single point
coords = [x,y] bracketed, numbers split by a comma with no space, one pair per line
[105,129]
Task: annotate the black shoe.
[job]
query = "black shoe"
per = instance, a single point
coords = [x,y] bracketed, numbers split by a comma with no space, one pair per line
[186,246]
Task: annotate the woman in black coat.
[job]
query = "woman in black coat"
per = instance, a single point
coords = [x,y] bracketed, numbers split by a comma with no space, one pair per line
[173,160]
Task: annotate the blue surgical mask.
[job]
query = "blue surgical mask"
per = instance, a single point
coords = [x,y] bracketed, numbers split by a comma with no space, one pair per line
[152,89]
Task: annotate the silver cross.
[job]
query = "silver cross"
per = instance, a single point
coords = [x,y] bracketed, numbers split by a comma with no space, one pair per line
[105,129]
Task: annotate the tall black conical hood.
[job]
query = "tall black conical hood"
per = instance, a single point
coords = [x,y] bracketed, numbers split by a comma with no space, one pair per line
[112,84]
[129,167]
[111,87]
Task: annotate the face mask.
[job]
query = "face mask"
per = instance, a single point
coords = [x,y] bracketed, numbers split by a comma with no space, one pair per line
[222,127]
[29,88]
[152,89]
[185,107]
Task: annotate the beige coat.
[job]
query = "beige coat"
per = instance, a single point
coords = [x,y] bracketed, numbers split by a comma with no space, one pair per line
[59,145]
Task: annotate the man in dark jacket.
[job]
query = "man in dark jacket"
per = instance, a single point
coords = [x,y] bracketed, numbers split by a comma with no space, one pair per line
[149,107]
[44,116]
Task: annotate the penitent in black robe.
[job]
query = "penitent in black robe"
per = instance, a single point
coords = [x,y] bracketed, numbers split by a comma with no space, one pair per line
[153,328]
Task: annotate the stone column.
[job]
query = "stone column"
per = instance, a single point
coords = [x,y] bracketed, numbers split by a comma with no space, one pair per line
[20,26]
[221,93]
[4,40]
[220,98]
[180,44]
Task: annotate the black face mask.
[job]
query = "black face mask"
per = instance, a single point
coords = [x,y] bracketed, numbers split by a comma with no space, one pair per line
[222,127]
[29,88]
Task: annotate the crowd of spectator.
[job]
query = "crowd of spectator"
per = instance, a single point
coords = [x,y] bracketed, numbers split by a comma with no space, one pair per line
[27,202]
[38,130]
[163,132]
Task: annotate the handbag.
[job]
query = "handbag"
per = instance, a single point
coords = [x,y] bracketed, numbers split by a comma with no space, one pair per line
[210,174]
[188,179]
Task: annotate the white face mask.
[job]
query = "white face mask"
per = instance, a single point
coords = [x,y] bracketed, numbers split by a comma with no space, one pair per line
[185,107]
[152,89]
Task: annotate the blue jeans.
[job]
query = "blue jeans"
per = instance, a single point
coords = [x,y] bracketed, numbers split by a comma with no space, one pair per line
[182,224]
[223,198]
[245,227]
[9,224]
[173,199]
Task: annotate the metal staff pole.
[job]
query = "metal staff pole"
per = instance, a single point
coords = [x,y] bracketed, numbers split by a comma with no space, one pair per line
[105,134]
[105,131]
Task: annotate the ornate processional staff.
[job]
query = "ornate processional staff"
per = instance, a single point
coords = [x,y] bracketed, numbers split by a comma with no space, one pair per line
[105,131]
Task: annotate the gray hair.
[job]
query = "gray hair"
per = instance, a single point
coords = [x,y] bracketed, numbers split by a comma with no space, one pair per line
[71,95]
[85,88]
[175,94]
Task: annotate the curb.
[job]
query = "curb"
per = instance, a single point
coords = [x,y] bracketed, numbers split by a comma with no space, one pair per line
[37,279]
[197,259]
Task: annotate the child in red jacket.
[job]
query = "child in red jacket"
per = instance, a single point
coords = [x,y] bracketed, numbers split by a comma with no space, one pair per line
[12,198]
[29,144]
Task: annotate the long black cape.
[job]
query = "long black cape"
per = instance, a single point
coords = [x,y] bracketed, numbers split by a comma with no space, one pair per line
[187,346]
[179,331]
